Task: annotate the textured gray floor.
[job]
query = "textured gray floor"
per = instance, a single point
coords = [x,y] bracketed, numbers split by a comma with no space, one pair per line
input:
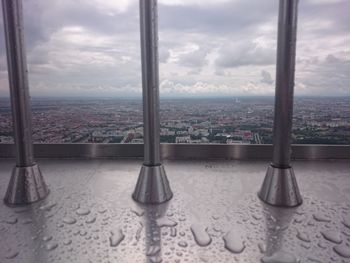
[214,216]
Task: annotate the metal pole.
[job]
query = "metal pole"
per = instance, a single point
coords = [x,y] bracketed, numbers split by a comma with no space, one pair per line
[152,185]
[280,187]
[26,184]
[150,81]
[287,31]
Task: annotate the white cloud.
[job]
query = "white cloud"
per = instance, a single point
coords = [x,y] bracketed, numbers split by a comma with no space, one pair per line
[204,89]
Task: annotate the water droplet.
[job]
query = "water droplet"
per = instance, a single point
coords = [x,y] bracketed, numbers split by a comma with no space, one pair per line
[22,210]
[332,236]
[90,220]
[173,232]
[47,207]
[233,242]
[200,235]
[27,221]
[138,211]
[170,214]
[346,221]
[12,254]
[257,217]
[182,218]
[262,248]
[49,215]
[155,239]
[116,237]
[321,218]
[82,233]
[156,259]
[51,246]
[182,244]
[153,250]
[102,210]
[322,245]
[303,236]
[314,260]
[342,250]
[47,238]
[69,220]
[305,245]
[138,232]
[298,220]
[279,257]
[67,242]
[164,221]
[217,228]
[83,211]
[11,220]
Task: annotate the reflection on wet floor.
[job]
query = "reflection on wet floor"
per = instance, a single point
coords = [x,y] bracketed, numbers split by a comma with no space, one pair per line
[215,215]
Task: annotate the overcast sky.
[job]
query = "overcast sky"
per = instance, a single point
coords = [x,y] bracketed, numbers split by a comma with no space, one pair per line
[207,48]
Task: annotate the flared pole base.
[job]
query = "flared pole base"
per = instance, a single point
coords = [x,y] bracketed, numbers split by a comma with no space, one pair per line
[26,186]
[152,186]
[280,188]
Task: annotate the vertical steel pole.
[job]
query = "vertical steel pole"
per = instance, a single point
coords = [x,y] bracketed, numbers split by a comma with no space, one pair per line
[152,185]
[150,81]
[287,31]
[280,186]
[26,184]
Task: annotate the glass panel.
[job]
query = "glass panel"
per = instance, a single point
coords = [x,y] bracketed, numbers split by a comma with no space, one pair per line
[217,71]
[84,71]
[322,104]
[6,134]
[217,64]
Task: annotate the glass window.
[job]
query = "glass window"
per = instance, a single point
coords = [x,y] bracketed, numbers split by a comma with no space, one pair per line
[217,71]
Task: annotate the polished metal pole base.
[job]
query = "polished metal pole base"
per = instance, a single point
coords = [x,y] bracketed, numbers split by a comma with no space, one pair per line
[280,188]
[26,186]
[152,186]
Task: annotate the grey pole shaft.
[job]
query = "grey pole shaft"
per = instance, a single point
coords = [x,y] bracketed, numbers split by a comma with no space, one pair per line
[150,81]
[27,184]
[280,187]
[18,79]
[286,46]
[152,186]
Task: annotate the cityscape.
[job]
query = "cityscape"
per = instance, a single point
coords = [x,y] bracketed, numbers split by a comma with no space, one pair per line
[236,120]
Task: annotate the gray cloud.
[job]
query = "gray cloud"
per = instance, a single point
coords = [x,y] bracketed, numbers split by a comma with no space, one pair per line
[196,58]
[329,76]
[245,54]
[228,17]
[221,47]
[266,77]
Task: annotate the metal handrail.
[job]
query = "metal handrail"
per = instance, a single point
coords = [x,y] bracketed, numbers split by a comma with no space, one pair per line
[181,151]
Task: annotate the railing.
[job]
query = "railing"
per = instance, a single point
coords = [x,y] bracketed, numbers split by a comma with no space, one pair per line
[279,187]
[181,151]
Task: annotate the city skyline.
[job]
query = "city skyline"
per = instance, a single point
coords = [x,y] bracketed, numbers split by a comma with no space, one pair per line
[236,120]
[207,48]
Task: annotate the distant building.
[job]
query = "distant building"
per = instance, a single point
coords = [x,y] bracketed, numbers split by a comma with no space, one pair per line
[183,139]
